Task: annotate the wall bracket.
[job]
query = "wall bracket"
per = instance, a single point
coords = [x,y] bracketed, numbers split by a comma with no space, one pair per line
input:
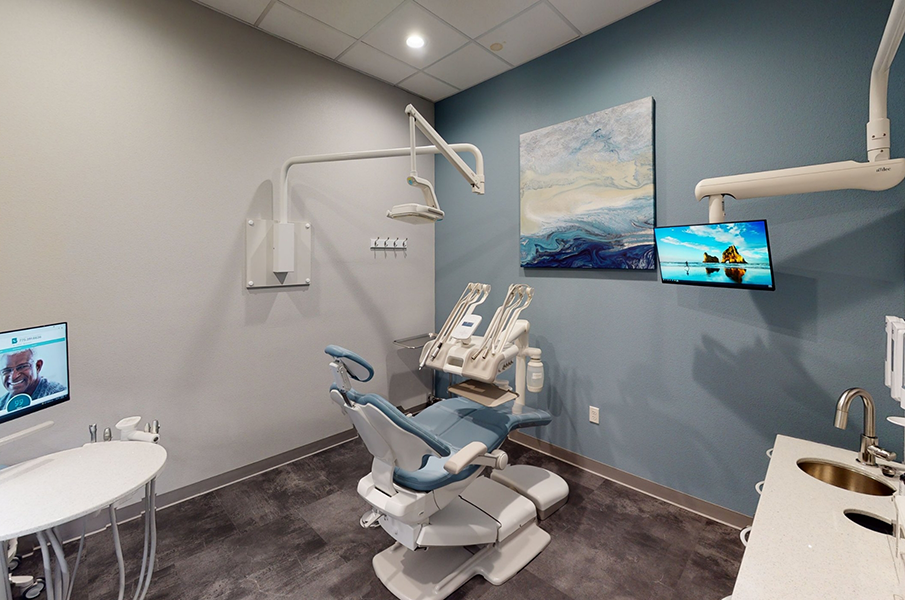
[259,244]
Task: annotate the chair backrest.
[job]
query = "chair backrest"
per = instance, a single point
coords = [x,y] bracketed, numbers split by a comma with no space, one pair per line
[391,437]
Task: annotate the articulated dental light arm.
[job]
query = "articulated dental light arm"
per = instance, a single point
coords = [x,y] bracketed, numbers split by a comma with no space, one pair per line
[879,173]
[475,179]
[281,196]
[450,151]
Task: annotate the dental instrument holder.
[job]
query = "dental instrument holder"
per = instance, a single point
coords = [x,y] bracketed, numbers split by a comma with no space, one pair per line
[128,431]
[508,346]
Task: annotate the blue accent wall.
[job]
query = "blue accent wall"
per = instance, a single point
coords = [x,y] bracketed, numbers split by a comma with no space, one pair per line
[693,384]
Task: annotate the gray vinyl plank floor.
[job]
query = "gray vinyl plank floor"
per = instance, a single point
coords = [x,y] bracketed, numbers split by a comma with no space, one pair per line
[292,533]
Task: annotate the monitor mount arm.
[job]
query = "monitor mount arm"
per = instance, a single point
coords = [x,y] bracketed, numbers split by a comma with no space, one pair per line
[880,172]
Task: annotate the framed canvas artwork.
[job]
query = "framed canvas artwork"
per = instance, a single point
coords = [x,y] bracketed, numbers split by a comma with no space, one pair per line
[587,191]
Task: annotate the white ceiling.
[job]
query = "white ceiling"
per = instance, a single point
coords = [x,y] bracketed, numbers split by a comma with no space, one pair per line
[467,41]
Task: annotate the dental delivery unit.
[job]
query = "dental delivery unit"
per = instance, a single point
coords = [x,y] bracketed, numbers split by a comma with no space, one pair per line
[425,487]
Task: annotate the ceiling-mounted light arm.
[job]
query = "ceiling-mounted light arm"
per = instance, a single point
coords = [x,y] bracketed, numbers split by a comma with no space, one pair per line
[880,173]
[878,125]
[476,179]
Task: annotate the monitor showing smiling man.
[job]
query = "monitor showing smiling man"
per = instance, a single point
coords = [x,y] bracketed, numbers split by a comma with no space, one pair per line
[34,369]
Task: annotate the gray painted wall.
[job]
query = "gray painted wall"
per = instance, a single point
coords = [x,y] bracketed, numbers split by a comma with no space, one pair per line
[135,140]
[694,384]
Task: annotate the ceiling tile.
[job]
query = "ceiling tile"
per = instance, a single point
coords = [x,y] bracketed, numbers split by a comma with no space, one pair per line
[428,87]
[532,33]
[308,33]
[467,67]
[390,35]
[246,10]
[591,15]
[475,17]
[354,17]
[374,62]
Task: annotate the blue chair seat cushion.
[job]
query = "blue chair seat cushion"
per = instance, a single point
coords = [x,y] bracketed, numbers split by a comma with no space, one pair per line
[458,422]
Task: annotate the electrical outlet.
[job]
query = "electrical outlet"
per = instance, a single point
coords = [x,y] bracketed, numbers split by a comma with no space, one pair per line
[595,415]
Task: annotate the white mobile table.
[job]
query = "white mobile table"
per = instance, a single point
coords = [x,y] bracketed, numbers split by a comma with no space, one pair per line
[40,494]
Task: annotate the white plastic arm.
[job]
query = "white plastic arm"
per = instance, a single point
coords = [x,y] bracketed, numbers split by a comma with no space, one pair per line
[845,175]
[878,126]
[879,173]
[281,196]
[475,179]
[475,453]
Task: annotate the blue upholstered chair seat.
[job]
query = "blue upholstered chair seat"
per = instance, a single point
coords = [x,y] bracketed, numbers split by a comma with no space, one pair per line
[458,422]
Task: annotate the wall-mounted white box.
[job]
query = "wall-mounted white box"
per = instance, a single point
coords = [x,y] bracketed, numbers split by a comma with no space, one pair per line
[261,239]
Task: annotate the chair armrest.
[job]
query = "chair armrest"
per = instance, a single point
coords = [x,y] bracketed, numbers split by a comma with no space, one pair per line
[464,457]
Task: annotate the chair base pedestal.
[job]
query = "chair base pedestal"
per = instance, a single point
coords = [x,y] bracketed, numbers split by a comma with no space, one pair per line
[435,573]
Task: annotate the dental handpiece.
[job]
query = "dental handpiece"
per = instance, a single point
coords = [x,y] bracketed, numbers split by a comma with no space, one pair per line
[92,431]
[434,348]
[490,328]
[512,299]
[529,294]
[473,292]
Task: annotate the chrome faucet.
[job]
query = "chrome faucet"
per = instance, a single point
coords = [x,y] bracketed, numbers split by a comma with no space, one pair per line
[870,449]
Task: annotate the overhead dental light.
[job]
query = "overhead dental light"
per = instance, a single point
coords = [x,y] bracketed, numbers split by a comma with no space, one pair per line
[287,260]
[879,173]
[430,212]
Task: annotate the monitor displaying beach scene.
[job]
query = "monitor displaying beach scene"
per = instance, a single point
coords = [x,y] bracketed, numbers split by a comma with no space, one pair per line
[733,255]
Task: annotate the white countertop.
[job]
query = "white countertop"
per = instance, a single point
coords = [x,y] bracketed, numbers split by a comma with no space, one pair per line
[803,546]
[53,489]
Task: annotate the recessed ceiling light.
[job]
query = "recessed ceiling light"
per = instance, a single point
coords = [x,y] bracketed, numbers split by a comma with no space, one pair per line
[496,46]
[414,41]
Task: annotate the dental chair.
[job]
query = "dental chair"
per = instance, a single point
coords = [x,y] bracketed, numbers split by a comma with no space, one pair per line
[425,487]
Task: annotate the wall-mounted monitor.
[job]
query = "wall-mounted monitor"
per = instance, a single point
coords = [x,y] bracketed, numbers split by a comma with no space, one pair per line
[34,369]
[732,255]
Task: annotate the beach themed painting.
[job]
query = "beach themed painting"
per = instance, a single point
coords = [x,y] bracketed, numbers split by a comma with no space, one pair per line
[587,191]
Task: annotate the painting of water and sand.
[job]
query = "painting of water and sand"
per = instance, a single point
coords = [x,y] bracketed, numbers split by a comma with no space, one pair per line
[587,191]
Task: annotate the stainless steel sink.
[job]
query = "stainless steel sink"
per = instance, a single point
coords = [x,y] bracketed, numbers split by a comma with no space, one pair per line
[845,477]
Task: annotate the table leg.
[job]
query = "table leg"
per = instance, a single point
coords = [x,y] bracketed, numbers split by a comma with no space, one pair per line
[63,584]
[147,540]
[119,553]
[151,520]
[6,592]
[48,573]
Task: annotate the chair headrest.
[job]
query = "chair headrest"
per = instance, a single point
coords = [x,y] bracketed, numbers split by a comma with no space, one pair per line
[358,368]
